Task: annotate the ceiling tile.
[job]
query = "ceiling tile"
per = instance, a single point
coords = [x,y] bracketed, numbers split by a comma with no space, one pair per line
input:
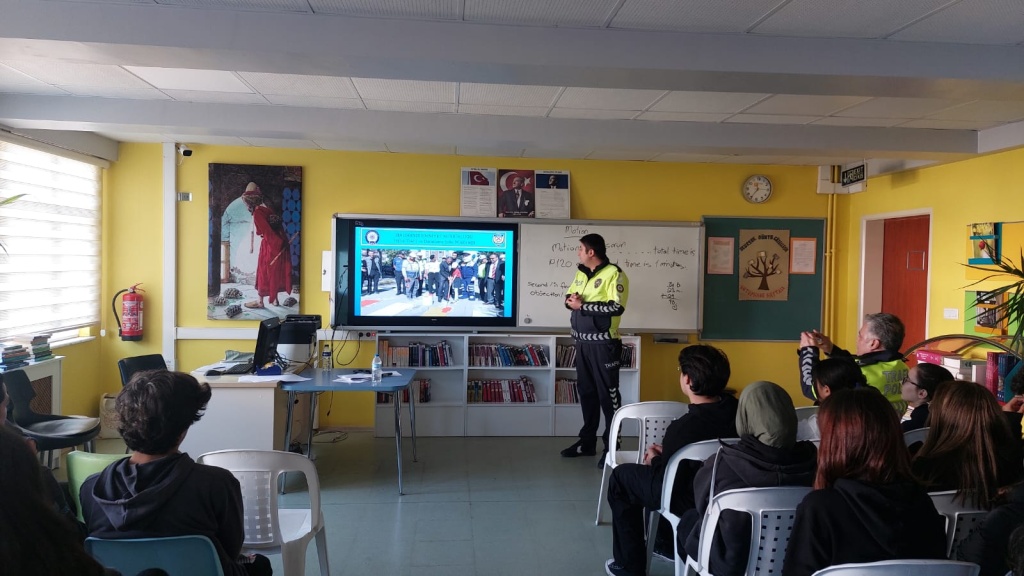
[61,73]
[279,142]
[887,107]
[415,9]
[577,13]
[706,102]
[300,85]
[805,105]
[770,119]
[860,19]
[420,148]
[314,101]
[692,15]
[970,22]
[352,145]
[751,159]
[392,106]
[510,152]
[188,79]
[503,110]
[864,122]
[626,155]
[608,98]
[554,153]
[984,111]
[507,94]
[15,82]
[215,97]
[405,90]
[117,92]
[682,117]
[592,114]
[686,157]
[935,124]
[260,5]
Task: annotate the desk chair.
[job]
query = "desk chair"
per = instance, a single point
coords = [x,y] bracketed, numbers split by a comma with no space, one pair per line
[654,418]
[49,431]
[269,529]
[129,366]
[915,436]
[81,465]
[176,555]
[902,568]
[961,520]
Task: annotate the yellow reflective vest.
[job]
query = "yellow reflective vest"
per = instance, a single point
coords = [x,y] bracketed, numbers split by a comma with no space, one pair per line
[604,293]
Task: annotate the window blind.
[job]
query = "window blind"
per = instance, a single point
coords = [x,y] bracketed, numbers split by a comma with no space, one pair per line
[50,273]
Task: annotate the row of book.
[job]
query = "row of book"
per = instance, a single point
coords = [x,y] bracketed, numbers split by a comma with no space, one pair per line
[40,344]
[14,356]
[485,354]
[991,371]
[422,387]
[501,391]
[565,356]
[566,391]
[415,354]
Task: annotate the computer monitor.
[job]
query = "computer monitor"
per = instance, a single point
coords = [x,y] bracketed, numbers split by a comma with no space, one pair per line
[266,343]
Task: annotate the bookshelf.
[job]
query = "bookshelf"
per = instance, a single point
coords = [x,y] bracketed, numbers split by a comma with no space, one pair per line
[492,384]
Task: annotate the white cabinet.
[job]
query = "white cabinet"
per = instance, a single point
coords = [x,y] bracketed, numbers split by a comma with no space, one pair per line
[490,384]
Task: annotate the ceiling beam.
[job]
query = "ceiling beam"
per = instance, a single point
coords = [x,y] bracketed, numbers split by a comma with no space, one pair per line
[170,36]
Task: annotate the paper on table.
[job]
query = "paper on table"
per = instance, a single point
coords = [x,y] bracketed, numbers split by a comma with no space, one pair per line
[276,378]
[358,378]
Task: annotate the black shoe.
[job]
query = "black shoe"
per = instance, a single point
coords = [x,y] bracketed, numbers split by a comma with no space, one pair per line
[578,449]
[613,569]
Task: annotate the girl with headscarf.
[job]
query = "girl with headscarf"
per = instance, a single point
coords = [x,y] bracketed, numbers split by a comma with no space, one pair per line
[767,455]
[274,265]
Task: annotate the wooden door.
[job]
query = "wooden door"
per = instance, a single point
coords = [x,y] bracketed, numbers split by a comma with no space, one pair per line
[905,273]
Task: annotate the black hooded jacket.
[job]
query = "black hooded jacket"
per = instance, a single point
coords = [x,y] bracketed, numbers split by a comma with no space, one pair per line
[855,521]
[172,496]
[747,464]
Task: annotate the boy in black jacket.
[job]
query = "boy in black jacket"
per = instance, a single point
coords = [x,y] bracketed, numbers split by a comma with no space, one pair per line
[703,374]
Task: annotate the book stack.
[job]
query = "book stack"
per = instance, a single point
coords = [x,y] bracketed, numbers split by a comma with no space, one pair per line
[566,391]
[501,391]
[507,355]
[41,347]
[1006,364]
[422,387]
[415,354]
[992,373]
[932,356]
[14,356]
[961,368]
[628,359]
[565,355]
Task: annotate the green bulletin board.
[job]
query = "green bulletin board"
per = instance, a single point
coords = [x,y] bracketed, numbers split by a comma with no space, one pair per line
[726,317]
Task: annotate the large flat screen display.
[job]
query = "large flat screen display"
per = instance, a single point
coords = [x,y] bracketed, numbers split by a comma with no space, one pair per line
[393,272]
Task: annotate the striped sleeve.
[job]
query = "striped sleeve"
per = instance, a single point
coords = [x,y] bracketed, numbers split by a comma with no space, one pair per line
[808,358]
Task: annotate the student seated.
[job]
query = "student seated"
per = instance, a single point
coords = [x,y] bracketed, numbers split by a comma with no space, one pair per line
[159,491]
[866,505]
[34,539]
[703,375]
[971,447]
[829,376]
[918,388]
[878,355]
[990,545]
[767,455]
[1016,557]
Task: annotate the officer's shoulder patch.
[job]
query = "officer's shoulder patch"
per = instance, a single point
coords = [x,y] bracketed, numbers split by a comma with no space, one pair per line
[597,283]
[619,288]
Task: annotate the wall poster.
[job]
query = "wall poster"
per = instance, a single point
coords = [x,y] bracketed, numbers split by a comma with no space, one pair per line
[255,234]
[764,260]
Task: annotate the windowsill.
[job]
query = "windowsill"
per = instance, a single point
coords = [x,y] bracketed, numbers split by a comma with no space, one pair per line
[71,342]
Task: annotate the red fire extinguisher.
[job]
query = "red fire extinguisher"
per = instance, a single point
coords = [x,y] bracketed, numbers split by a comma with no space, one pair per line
[131,311]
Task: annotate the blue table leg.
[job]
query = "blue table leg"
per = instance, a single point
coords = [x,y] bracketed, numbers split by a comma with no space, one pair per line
[398,436]
[412,419]
[287,436]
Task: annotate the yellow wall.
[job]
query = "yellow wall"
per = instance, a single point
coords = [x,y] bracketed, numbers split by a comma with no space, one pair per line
[415,184]
[982,189]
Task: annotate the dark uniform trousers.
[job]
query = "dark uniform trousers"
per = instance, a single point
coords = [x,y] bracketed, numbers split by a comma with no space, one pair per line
[597,379]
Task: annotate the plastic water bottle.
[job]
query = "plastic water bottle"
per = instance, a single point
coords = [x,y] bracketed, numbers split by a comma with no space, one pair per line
[376,368]
[325,358]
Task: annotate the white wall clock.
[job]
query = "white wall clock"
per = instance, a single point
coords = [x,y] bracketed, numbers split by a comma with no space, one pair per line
[757,189]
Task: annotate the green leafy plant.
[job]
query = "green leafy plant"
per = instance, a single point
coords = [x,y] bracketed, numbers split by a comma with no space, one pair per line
[5,202]
[1010,308]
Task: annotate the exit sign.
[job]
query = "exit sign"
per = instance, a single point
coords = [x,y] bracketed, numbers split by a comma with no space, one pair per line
[853,175]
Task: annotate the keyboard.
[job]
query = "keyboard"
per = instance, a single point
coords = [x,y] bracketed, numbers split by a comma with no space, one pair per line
[245,368]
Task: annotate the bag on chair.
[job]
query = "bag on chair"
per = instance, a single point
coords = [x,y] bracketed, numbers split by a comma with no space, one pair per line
[108,417]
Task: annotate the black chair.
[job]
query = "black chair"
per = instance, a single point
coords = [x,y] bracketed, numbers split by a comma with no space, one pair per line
[50,432]
[129,366]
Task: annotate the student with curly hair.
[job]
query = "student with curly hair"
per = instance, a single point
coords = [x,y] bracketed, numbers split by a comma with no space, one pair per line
[159,491]
[866,505]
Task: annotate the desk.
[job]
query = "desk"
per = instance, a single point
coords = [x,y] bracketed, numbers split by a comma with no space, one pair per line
[324,381]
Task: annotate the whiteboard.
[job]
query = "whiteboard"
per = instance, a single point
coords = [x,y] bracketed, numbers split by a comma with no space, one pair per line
[662,260]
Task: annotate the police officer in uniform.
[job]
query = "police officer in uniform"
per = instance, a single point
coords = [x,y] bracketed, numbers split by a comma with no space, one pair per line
[597,298]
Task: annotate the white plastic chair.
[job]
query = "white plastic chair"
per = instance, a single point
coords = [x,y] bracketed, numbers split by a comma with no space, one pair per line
[915,436]
[654,418]
[773,511]
[903,568]
[699,451]
[269,529]
[805,412]
[961,521]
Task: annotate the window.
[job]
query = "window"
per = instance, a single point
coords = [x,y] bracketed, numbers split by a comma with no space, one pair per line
[50,273]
